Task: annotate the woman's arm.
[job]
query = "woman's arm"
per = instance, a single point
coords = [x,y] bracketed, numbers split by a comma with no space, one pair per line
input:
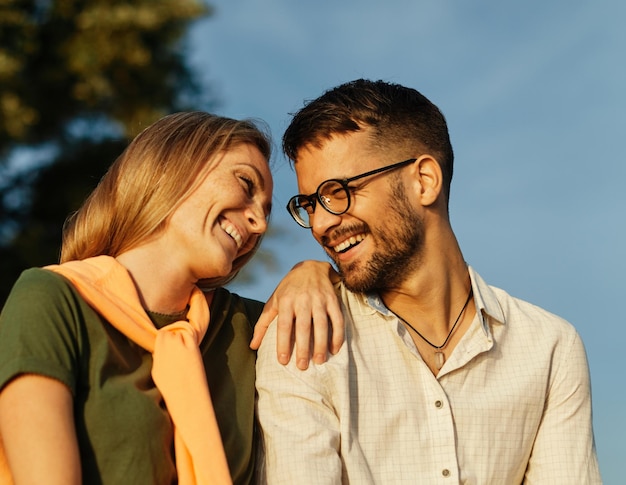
[38,433]
[306,297]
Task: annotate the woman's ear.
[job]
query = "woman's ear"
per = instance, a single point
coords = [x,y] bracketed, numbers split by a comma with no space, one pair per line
[428,180]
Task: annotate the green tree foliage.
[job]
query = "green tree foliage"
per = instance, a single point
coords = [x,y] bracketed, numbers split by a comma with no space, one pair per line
[62,59]
[78,78]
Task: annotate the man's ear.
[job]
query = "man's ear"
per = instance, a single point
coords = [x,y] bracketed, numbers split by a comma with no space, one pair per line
[428,180]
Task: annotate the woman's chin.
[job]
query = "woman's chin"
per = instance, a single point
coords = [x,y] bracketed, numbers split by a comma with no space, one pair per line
[216,273]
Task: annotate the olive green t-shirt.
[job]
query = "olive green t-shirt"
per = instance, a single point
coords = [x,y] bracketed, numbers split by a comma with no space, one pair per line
[123,429]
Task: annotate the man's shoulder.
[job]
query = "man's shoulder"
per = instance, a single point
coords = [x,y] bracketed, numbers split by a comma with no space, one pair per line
[266,355]
[513,311]
[357,304]
[515,305]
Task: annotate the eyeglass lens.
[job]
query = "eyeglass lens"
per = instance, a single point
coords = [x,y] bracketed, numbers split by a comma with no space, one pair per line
[332,195]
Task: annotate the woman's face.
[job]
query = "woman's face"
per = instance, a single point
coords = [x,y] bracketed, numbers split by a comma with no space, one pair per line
[224,216]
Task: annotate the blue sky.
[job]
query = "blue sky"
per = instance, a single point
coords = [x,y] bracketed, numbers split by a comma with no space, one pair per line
[534,96]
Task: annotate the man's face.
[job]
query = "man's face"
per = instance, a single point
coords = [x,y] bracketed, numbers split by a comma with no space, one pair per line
[379,240]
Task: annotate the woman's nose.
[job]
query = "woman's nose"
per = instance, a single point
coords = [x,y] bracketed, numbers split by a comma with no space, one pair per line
[257,219]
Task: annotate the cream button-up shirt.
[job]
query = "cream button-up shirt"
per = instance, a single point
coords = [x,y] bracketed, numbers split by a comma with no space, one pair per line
[511,404]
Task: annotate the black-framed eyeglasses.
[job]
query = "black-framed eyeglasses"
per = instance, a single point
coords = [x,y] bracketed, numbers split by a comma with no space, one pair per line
[333,195]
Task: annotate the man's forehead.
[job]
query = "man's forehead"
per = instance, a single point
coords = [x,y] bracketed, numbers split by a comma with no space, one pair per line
[335,159]
[339,146]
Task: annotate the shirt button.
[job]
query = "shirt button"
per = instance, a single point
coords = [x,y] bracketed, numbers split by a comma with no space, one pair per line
[445,472]
[438,405]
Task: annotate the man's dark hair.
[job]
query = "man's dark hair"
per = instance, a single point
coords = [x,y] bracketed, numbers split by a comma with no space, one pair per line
[400,118]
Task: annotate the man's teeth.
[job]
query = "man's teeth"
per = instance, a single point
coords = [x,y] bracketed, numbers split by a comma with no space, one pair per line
[232,232]
[349,242]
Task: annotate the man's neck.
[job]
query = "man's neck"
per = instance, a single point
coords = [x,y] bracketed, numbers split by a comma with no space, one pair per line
[433,292]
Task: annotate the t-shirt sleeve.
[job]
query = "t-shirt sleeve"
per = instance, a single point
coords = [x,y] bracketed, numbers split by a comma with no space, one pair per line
[253,309]
[39,333]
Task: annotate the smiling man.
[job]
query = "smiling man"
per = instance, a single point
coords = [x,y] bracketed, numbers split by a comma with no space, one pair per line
[442,378]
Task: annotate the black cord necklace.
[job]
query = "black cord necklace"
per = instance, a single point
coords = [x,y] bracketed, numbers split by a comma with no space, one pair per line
[440,357]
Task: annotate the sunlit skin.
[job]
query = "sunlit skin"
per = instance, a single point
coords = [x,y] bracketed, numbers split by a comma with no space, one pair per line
[399,241]
[224,217]
[379,240]
[219,221]
[432,281]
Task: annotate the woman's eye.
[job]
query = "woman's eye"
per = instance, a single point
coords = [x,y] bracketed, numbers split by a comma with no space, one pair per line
[248,185]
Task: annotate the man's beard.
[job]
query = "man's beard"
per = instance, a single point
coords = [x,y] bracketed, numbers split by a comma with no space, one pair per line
[399,241]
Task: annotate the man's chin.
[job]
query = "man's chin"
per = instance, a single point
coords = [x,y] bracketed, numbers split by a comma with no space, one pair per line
[355,282]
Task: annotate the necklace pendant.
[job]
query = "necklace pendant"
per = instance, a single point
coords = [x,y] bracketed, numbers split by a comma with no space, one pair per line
[440,358]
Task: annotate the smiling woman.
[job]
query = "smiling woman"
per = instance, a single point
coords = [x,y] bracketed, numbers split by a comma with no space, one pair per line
[157,173]
[106,360]
[220,221]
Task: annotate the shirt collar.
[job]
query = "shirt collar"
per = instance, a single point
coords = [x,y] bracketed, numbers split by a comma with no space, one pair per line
[485,301]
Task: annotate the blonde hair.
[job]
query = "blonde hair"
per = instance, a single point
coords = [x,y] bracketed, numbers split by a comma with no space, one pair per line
[158,170]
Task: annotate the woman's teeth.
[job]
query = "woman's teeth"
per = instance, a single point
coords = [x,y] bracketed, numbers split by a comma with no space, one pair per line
[351,241]
[232,232]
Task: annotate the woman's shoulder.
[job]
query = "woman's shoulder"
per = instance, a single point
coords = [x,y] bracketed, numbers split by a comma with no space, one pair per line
[37,290]
[43,318]
[225,300]
[41,282]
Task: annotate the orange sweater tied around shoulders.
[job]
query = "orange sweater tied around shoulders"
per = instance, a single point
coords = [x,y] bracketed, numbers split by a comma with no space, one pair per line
[177,369]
